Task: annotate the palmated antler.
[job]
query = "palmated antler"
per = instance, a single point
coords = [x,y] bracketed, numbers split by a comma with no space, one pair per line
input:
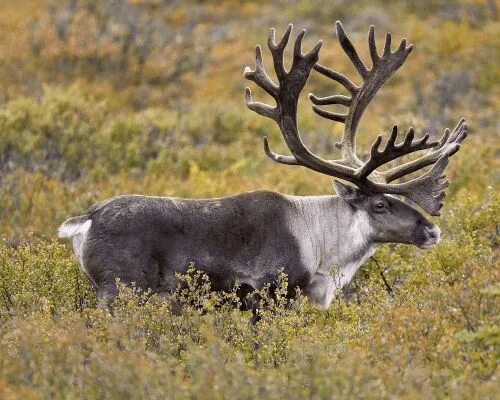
[448,145]
[426,190]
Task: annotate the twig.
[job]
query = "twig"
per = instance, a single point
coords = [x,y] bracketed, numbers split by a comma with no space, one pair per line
[388,287]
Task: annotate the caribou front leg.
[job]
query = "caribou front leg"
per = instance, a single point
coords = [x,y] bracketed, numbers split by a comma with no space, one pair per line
[321,290]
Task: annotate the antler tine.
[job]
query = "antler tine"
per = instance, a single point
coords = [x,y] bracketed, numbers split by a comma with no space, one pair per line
[259,75]
[335,99]
[372,45]
[289,160]
[448,145]
[260,108]
[277,51]
[350,50]
[392,150]
[337,76]
[328,114]
[387,45]
[444,138]
[297,48]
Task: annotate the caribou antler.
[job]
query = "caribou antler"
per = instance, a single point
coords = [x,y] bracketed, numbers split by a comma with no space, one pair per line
[286,95]
[393,151]
[448,145]
[426,190]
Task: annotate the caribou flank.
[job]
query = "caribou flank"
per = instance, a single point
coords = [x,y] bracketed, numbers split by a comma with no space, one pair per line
[249,237]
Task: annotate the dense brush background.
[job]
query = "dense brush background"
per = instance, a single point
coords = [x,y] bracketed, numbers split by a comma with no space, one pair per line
[101,98]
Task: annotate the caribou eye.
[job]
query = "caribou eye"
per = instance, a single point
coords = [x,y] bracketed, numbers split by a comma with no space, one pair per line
[380,206]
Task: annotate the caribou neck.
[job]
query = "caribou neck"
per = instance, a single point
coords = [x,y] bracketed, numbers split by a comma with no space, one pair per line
[336,235]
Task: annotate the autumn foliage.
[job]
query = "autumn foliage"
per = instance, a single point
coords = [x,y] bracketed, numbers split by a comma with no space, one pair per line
[102,98]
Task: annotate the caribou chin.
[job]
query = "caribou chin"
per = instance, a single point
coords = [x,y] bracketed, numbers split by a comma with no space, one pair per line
[248,238]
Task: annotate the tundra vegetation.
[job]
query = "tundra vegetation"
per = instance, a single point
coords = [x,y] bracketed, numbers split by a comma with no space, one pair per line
[103,98]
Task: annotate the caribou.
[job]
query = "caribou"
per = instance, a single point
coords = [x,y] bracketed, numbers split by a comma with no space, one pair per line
[245,239]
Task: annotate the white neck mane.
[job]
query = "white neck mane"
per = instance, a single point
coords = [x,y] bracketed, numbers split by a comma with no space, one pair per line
[334,237]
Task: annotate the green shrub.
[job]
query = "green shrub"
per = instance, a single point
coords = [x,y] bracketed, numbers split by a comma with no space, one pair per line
[38,277]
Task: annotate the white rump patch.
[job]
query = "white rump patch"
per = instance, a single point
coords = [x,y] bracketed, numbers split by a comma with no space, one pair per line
[79,233]
[67,230]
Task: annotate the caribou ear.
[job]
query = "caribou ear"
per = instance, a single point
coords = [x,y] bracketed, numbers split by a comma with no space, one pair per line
[351,194]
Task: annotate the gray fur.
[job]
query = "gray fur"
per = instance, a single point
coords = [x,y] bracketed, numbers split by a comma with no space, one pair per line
[246,238]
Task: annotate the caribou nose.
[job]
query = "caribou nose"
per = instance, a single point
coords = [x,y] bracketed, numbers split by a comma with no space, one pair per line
[433,233]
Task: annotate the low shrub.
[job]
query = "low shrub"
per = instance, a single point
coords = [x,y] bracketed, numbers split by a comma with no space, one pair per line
[434,334]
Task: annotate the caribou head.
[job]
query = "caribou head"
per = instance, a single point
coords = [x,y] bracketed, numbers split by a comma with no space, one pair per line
[387,219]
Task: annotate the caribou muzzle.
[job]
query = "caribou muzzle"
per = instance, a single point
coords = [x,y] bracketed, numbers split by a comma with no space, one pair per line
[428,235]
